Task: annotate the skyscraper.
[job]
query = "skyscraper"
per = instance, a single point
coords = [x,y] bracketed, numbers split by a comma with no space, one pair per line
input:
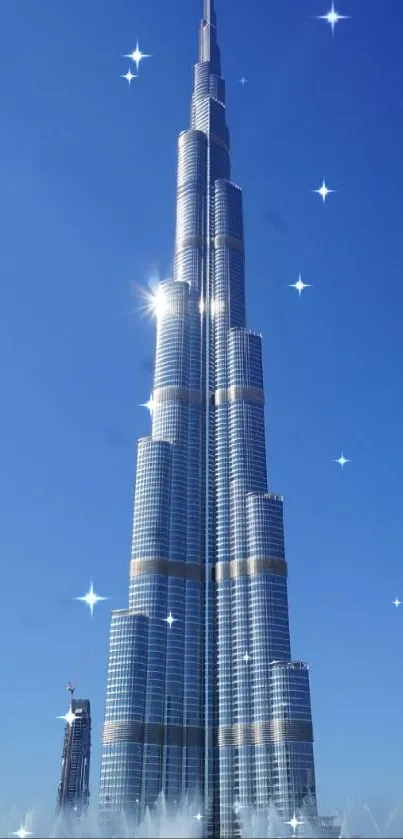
[73,793]
[202,694]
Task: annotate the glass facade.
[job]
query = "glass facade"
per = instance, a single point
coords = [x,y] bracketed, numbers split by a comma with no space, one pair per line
[202,694]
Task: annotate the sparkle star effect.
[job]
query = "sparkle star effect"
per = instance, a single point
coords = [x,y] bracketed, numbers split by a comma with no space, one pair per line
[137,56]
[170,620]
[129,76]
[69,717]
[199,817]
[333,17]
[158,304]
[149,405]
[22,833]
[397,602]
[155,302]
[246,657]
[91,599]
[342,460]
[323,191]
[294,823]
[243,81]
[299,285]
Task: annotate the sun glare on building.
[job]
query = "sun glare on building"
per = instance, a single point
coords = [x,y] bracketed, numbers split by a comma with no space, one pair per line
[159,303]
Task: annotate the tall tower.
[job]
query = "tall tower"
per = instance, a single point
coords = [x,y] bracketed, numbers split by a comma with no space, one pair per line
[73,793]
[202,694]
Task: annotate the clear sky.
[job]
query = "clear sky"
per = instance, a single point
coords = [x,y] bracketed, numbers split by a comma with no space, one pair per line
[87,192]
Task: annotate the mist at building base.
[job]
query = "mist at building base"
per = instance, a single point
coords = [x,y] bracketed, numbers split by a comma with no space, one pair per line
[184,822]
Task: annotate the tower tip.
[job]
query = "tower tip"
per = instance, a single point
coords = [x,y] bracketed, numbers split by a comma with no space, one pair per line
[209,11]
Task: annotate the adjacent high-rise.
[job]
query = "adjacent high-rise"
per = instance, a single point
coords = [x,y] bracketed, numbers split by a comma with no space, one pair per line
[73,793]
[202,695]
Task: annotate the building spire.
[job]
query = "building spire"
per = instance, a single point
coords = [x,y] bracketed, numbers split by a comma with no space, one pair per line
[209,12]
[209,50]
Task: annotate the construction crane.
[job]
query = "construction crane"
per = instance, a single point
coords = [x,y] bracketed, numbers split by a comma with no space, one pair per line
[71,688]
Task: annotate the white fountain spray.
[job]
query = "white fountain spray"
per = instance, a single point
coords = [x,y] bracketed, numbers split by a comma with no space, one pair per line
[185,822]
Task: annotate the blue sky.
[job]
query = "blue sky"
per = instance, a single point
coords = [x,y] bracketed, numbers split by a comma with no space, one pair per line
[87,187]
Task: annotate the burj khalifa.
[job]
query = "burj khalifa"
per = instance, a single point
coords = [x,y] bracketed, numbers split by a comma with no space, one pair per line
[203,697]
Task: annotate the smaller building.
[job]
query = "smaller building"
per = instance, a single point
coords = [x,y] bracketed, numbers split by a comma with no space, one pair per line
[73,793]
[327,827]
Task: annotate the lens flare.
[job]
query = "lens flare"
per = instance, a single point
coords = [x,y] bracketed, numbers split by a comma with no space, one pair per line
[159,303]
